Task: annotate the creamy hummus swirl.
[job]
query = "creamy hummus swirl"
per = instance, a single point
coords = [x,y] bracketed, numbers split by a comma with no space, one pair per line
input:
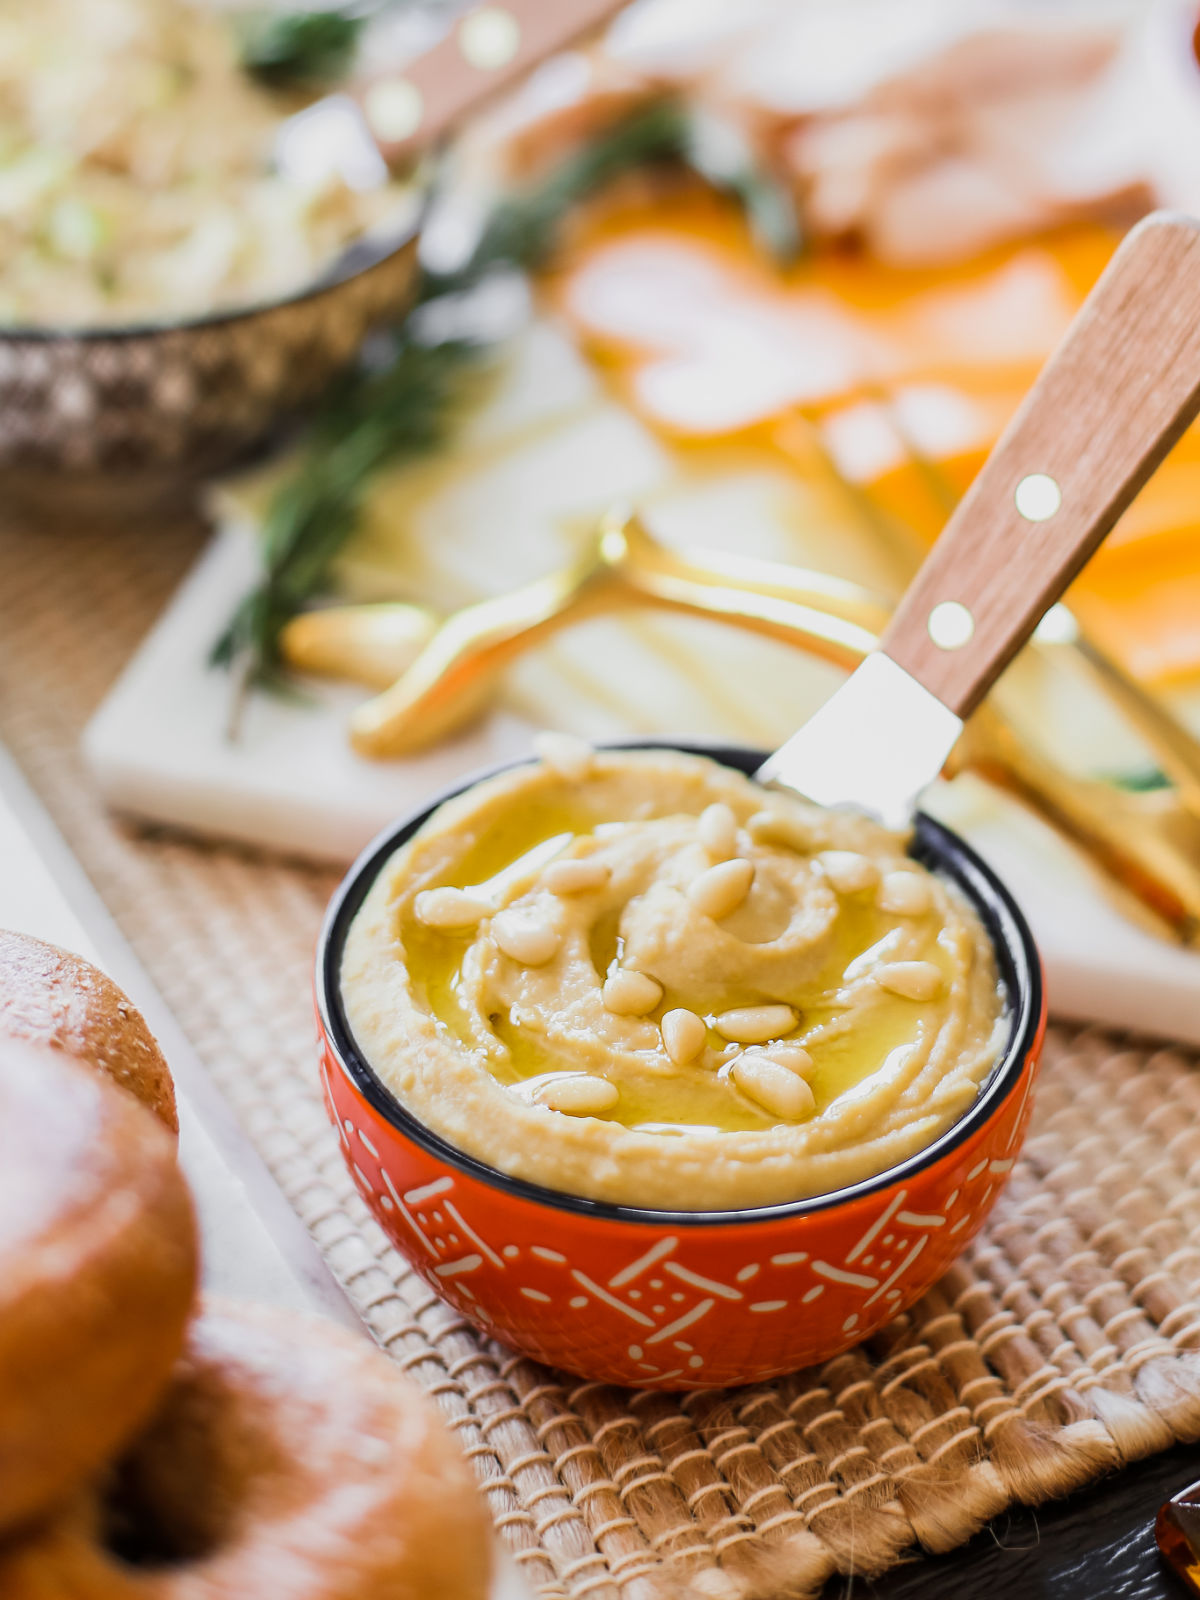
[637,976]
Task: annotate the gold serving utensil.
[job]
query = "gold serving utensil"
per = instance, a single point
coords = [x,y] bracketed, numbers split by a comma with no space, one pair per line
[457,674]
[1148,845]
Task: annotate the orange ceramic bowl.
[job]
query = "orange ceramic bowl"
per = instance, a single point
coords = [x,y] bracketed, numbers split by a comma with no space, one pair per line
[682,1299]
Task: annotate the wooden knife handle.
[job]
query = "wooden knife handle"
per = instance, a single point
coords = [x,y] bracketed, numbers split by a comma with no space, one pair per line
[486,49]
[1109,404]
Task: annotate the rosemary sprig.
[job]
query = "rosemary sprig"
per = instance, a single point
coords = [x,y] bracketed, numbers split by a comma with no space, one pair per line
[402,405]
[373,418]
[721,153]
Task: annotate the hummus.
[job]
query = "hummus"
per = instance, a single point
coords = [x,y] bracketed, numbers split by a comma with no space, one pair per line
[639,977]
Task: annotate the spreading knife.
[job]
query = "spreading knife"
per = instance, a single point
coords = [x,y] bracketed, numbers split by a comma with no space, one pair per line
[1107,407]
[388,118]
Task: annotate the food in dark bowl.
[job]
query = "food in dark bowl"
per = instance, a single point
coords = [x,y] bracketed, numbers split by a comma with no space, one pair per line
[169,292]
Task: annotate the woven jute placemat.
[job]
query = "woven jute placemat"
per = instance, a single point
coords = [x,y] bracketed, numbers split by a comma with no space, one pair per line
[1064,1344]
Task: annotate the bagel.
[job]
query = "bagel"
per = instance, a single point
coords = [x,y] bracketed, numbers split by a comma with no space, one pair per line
[288,1460]
[97,1272]
[50,996]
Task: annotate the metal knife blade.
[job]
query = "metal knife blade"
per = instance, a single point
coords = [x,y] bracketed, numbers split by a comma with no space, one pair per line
[875,745]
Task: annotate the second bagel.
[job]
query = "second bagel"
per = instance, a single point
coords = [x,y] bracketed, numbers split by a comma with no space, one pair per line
[288,1460]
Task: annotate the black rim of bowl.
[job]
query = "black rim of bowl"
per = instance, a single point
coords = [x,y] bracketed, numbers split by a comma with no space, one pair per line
[934,845]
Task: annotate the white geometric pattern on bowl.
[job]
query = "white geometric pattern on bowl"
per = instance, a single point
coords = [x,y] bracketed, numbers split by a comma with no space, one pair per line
[660,1294]
[176,402]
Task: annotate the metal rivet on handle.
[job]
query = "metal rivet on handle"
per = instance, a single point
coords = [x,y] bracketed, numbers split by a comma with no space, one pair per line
[394,109]
[1038,497]
[489,38]
[950,625]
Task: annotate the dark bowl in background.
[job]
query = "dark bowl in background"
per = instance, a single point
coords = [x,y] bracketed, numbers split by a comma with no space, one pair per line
[108,422]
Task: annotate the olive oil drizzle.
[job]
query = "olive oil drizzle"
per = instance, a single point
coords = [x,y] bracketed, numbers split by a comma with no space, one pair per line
[653,1092]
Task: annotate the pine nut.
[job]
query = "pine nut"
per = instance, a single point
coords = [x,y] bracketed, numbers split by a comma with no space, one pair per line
[907,894]
[720,890]
[576,876]
[773,1087]
[565,755]
[792,1056]
[449,908]
[581,1096]
[630,994]
[912,980]
[684,1036]
[718,829]
[847,871]
[525,937]
[773,827]
[755,1024]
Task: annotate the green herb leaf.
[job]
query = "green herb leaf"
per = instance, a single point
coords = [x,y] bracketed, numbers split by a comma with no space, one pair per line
[304,47]
[1142,781]
[371,420]
[522,230]
[721,153]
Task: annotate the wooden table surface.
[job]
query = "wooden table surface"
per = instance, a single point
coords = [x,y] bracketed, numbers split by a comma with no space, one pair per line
[1096,1545]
